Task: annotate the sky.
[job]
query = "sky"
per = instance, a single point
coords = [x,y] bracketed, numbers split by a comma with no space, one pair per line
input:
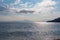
[34,10]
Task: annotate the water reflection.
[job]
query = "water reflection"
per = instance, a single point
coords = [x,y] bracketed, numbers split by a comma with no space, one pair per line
[30,31]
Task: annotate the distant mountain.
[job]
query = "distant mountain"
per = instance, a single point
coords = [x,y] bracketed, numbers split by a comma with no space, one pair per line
[55,20]
[21,21]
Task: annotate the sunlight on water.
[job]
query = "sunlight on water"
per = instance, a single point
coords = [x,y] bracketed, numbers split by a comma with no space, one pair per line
[30,31]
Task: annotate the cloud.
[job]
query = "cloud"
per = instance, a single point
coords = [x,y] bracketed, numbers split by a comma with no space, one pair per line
[43,9]
[1,0]
[17,2]
[25,11]
[45,6]
[40,7]
[26,5]
[2,8]
[47,3]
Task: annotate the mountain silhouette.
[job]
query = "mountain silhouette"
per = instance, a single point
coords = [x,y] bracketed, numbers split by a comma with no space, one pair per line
[55,20]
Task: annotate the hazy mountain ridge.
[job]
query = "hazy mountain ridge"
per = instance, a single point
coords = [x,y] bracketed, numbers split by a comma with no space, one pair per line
[21,21]
[55,20]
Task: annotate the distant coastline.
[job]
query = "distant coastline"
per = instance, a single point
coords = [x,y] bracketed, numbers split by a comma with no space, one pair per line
[55,20]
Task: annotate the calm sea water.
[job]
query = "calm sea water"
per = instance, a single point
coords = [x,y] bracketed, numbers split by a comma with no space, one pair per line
[29,31]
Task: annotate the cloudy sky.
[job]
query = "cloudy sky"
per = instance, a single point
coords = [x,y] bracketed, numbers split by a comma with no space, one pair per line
[34,10]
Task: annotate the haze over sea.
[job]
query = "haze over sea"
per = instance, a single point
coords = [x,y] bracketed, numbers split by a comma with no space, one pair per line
[29,31]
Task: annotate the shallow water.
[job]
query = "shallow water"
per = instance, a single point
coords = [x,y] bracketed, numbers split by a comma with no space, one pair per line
[30,31]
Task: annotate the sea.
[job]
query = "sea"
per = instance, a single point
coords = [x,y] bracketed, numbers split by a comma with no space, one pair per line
[29,31]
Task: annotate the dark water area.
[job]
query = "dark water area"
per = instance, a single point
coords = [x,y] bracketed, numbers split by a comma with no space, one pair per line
[29,31]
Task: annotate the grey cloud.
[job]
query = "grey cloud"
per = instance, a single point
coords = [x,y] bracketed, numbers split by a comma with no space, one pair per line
[26,11]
